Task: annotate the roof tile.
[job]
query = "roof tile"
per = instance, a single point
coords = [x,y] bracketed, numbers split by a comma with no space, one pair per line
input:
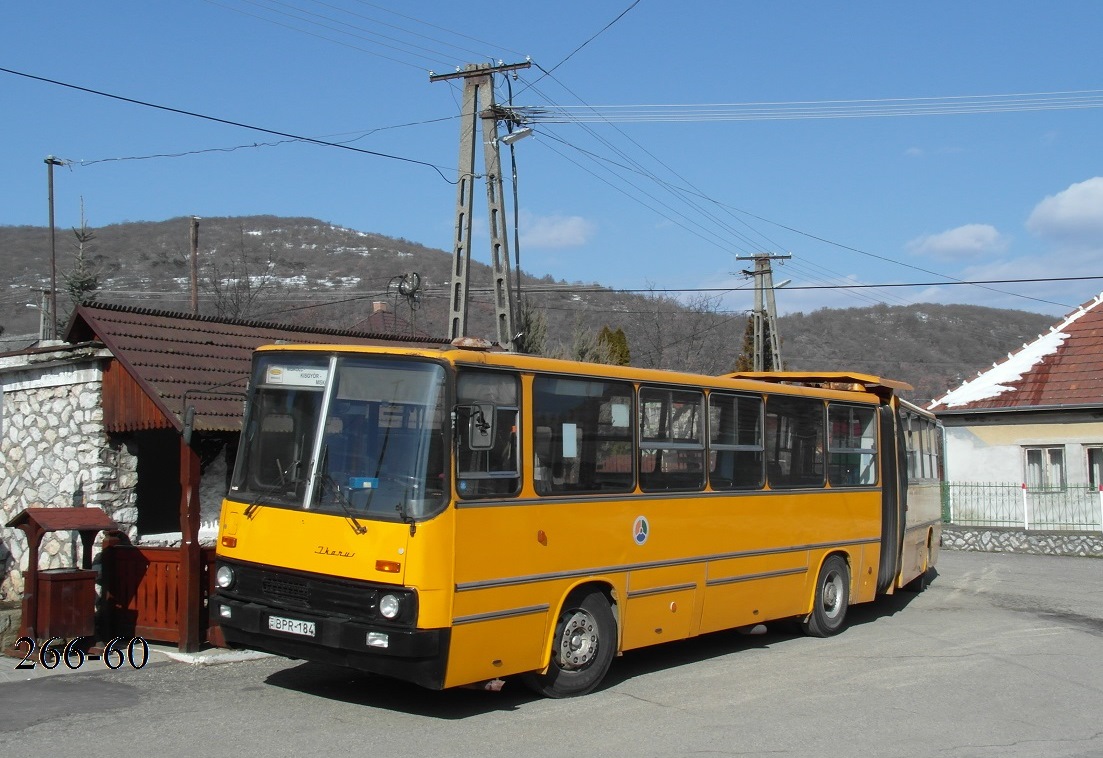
[173,355]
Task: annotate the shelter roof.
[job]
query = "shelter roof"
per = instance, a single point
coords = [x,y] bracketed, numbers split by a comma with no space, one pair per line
[177,359]
[1063,368]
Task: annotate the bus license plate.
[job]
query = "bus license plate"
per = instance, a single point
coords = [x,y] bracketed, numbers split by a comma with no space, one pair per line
[292,626]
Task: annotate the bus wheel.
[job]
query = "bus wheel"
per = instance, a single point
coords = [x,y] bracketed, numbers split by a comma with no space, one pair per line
[831,601]
[920,582]
[582,649]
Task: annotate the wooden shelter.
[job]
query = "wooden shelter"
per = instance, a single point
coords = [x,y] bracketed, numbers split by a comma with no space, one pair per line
[177,381]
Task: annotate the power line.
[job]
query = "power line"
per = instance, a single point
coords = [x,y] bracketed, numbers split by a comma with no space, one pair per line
[598,289]
[359,32]
[821,109]
[255,145]
[215,119]
[315,35]
[592,37]
[300,15]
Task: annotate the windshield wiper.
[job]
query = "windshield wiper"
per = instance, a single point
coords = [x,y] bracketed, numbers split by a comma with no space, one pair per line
[339,496]
[252,507]
[404,514]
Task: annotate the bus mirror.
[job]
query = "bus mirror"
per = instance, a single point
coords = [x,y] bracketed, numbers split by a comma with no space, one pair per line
[480,426]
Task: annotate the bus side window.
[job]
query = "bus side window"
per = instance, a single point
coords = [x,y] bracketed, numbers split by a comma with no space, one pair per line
[490,465]
[672,445]
[794,442]
[735,442]
[583,436]
[852,445]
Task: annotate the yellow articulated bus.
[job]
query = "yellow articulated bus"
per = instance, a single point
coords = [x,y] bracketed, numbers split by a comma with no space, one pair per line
[453,517]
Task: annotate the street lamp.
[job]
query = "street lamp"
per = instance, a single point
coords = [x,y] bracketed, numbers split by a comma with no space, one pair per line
[43,315]
[510,139]
[51,161]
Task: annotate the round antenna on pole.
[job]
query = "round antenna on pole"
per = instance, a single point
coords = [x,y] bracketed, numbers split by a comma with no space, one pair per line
[410,284]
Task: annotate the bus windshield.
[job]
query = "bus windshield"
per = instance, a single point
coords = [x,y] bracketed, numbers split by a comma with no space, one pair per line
[353,436]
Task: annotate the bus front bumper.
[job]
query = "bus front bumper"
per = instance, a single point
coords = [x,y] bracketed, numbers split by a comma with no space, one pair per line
[414,655]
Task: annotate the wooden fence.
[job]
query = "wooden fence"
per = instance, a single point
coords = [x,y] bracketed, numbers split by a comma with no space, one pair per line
[142,592]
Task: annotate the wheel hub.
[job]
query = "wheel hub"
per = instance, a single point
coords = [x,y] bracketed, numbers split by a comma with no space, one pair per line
[579,641]
[832,595]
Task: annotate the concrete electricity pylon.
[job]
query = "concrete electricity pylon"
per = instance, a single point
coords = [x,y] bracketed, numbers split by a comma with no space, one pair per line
[478,109]
[765,311]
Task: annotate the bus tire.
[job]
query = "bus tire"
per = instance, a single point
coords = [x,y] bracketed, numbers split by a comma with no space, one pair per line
[920,582]
[583,647]
[831,599]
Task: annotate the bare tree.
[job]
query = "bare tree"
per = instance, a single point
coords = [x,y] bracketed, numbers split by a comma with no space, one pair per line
[687,336]
[240,282]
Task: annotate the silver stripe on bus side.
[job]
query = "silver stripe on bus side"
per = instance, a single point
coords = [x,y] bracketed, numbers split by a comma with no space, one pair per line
[577,573]
[565,499]
[661,590]
[751,577]
[493,615]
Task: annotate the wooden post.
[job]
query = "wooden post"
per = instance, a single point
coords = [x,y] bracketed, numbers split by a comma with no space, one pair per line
[191,565]
[29,622]
[195,265]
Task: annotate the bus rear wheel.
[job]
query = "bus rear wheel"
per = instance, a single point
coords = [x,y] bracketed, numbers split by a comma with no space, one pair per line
[582,648]
[831,601]
[920,582]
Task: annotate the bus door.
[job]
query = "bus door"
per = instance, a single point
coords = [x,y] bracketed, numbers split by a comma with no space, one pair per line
[892,500]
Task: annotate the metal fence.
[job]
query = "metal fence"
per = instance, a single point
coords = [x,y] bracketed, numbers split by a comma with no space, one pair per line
[1075,508]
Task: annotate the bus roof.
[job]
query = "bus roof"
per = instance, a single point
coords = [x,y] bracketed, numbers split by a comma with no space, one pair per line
[868,382]
[841,382]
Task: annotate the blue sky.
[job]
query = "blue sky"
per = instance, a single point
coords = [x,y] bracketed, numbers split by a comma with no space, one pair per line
[1007,192]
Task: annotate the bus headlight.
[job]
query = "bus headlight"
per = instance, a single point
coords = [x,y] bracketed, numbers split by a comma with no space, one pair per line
[224,577]
[389,606]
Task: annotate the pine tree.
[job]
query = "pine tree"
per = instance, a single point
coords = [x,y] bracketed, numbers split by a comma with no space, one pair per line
[533,326]
[745,360]
[82,281]
[615,345]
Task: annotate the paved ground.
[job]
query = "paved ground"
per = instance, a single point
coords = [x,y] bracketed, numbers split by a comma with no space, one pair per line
[1003,655]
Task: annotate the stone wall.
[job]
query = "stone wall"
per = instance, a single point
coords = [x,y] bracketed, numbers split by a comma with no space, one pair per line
[54,452]
[1007,540]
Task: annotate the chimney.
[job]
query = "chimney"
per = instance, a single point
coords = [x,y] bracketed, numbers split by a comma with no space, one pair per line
[379,306]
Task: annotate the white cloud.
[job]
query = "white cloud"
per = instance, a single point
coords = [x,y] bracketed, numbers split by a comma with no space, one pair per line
[971,240]
[555,231]
[923,152]
[1073,215]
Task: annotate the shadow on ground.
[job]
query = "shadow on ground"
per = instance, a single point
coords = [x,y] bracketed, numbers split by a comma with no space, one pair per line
[359,688]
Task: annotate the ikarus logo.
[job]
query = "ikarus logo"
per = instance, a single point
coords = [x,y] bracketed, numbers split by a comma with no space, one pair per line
[640,530]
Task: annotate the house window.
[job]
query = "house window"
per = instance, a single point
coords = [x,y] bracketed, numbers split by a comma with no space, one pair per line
[1045,468]
[1095,467]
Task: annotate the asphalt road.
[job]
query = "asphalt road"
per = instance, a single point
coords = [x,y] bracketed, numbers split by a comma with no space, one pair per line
[1002,655]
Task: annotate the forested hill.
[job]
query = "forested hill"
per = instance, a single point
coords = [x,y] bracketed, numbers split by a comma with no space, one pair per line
[309,272]
[932,347]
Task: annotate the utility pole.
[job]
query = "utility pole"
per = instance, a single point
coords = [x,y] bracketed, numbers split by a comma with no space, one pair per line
[765,310]
[195,265]
[478,91]
[44,316]
[51,161]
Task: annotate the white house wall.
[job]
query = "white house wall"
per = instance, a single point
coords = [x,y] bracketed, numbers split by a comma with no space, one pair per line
[994,453]
[56,452]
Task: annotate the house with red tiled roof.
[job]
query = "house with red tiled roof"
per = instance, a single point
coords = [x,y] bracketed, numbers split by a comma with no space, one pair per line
[1035,420]
[137,413]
